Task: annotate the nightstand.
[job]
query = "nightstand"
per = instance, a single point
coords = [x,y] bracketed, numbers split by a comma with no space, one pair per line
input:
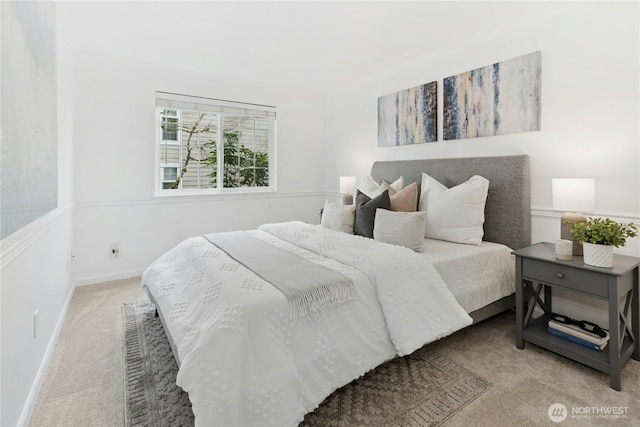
[538,271]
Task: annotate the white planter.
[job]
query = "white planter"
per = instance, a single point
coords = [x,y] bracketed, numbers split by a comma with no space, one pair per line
[598,255]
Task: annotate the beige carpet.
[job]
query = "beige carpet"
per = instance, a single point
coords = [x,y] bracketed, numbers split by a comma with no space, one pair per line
[84,384]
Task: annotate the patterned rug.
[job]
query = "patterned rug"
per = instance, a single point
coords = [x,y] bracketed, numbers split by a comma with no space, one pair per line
[151,396]
[422,389]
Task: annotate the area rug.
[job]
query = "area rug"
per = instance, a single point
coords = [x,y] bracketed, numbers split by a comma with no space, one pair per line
[420,390]
[151,396]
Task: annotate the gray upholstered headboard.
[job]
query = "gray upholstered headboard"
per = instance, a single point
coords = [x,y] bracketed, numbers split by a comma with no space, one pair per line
[508,207]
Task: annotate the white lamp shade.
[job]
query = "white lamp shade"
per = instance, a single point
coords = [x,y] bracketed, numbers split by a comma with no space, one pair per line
[573,194]
[347,184]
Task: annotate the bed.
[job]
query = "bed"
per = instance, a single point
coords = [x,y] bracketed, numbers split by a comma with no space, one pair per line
[246,360]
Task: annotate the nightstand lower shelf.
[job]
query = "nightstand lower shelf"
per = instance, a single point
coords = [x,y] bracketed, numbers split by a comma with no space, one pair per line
[536,333]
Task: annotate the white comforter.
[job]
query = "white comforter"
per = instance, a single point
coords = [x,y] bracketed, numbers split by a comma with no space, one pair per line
[245,363]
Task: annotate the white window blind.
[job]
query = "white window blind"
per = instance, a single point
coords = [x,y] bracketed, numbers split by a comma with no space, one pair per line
[172,101]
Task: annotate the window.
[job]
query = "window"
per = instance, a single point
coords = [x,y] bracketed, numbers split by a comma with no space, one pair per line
[207,145]
[169,123]
[169,177]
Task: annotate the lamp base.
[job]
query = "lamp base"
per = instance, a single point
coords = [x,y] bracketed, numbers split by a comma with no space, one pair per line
[347,199]
[565,229]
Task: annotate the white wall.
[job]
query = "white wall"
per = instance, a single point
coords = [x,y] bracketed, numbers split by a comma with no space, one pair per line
[114,169]
[589,128]
[589,107]
[36,276]
[590,111]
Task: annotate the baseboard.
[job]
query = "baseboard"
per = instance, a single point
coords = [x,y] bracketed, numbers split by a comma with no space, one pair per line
[32,399]
[92,280]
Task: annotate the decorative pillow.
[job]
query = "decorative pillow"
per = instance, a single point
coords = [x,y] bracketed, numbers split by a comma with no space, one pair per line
[455,214]
[400,228]
[373,189]
[366,212]
[338,217]
[405,200]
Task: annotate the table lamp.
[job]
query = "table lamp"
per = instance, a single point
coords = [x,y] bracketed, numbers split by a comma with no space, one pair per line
[573,195]
[347,188]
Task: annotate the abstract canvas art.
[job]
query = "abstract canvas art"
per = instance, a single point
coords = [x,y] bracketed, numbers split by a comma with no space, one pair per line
[499,99]
[408,116]
[28,126]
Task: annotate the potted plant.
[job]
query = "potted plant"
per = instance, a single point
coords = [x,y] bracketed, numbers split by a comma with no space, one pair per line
[599,236]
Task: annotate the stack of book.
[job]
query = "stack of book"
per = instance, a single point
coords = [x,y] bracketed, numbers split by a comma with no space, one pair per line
[574,334]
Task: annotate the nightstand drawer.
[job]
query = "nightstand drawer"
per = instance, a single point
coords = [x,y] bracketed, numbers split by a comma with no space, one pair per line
[568,277]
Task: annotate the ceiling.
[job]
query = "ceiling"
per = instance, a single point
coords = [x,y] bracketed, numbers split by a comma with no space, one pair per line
[313,45]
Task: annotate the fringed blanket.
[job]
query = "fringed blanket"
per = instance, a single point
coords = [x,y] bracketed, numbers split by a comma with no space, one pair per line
[310,288]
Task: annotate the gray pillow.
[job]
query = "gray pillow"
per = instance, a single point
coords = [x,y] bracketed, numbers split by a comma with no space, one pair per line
[366,212]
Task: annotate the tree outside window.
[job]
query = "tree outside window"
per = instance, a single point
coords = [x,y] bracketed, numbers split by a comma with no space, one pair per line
[190,152]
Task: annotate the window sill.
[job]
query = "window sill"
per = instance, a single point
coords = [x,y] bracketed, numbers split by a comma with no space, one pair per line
[200,194]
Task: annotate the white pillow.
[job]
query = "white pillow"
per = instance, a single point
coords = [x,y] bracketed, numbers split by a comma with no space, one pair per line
[455,214]
[373,189]
[400,228]
[338,217]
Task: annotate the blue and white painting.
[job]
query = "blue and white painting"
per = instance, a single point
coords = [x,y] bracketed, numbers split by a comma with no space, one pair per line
[28,126]
[499,99]
[408,116]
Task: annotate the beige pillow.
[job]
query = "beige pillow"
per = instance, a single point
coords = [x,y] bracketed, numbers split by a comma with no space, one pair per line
[405,200]
[338,217]
[400,228]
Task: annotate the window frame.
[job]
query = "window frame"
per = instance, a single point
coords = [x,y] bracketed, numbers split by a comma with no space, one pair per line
[221,108]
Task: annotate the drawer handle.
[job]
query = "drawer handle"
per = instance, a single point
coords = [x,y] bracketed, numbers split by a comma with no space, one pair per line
[560,275]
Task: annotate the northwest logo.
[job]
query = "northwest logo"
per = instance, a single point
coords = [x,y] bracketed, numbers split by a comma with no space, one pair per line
[557,412]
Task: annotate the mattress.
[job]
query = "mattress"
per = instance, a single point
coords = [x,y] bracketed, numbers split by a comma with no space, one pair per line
[476,275]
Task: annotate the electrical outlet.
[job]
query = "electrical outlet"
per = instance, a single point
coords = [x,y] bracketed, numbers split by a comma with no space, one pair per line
[35,323]
[115,249]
